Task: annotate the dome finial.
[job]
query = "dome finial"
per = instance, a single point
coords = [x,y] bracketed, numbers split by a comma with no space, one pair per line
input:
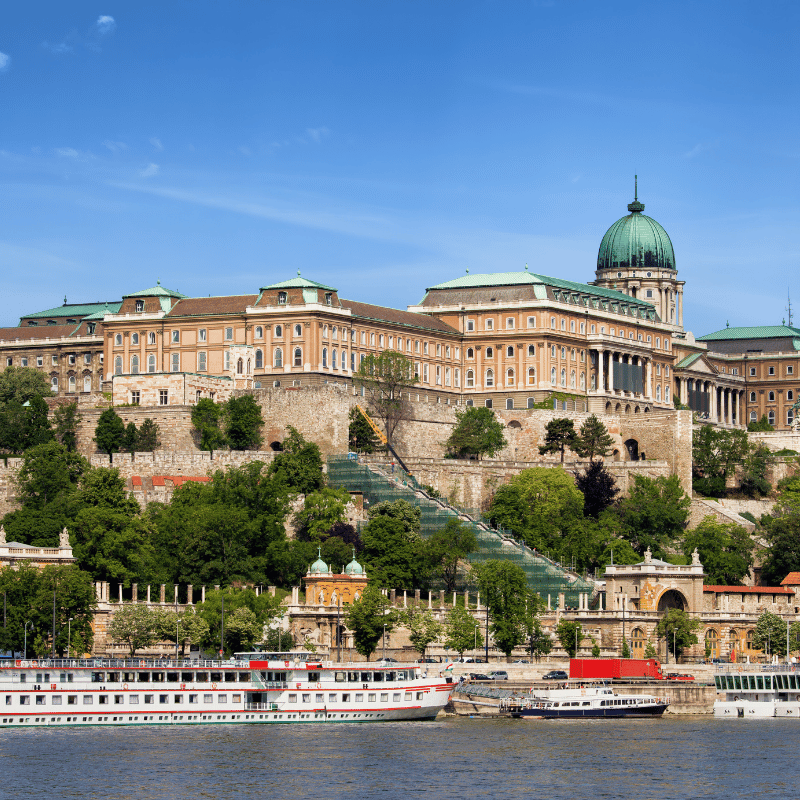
[636,207]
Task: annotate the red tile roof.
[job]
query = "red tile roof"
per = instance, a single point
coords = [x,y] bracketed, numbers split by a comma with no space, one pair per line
[395,316]
[37,332]
[749,589]
[177,480]
[197,306]
[792,579]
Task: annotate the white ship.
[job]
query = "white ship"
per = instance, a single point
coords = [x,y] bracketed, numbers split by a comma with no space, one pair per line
[251,688]
[749,690]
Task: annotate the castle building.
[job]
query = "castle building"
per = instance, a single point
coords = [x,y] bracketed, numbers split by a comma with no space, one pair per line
[504,340]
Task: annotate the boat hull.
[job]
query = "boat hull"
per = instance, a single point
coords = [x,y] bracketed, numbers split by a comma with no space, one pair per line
[655,710]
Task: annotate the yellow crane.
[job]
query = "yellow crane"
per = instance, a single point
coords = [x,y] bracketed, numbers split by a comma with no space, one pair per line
[382,436]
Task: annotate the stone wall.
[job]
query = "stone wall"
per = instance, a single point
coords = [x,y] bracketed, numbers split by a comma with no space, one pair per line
[181,388]
[702,508]
[174,426]
[777,440]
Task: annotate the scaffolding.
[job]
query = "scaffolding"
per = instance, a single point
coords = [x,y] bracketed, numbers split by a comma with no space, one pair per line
[379,483]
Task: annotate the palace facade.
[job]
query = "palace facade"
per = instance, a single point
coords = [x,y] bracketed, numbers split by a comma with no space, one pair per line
[504,340]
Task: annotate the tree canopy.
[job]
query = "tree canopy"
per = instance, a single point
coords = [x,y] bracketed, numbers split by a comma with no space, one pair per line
[370,617]
[243,423]
[360,436]
[725,550]
[206,419]
[594,440]
[678,629]
[477,432]
[444,549]
[559,435]
[110,432]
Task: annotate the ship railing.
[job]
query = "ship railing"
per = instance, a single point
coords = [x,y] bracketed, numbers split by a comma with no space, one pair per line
[263,706]
[121,663]
[741,666]
[268,685]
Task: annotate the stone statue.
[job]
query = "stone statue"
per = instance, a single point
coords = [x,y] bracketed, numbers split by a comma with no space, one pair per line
[333,598]
[648,556]
[2,535]
[63,539]
[695,558]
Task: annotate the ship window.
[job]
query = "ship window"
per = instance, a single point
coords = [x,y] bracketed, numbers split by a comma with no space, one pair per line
[209,698]
[359,697]
[341,677]
[371,697]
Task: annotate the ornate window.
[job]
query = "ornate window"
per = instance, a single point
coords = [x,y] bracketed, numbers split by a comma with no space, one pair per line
[279,331]
[298,331]
[134,338]
[277,357]
[298,357]
[151,362]
[134,365]
[470,353]
[509,377]
[259,359]
[531,376]
[531,350]
[259,332]
[489,377]
[470,379]
[509,352]
[324,357]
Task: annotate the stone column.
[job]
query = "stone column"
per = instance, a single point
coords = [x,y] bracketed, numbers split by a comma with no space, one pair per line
[393,596]
[119,591]
[610,371]
[135,592]
[466,598]
[441,598]
[162,593]
[295,595]
[417,596]
[454,599]
[430,599]
[202,594]
[405,599]
[478,602]
[175,595]
[190,595]
[648,385]
[148,594]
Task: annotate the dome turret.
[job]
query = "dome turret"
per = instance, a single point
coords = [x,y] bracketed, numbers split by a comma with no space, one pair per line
[354,568]
[319,567]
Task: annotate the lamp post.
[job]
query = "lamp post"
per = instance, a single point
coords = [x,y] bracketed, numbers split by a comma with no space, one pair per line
[69,635]
[25,645]
[475,648]
[486,643]
[384,641]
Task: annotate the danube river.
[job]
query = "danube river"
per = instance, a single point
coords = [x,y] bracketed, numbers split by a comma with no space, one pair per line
[457,759]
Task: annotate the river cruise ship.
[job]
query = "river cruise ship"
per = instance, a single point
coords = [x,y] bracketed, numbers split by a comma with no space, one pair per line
[251,688]
[586,702]
[752,690]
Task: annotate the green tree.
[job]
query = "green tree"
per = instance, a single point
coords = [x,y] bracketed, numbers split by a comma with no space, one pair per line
[596,649]
[725,550]
[298,465]
[570,634]
[386,378]
[770,634]
[360,436]
[599,488]
[762,425]
[541,505]
[654,514]
[539,642]
[715,454]
[462,631]
[677,628]
[37,428]
[594,440]
[423,627]
[782,532]
[133,625]
[182,627]
[409,515]
[321,511]
[110,432]
[754,481]
[649,650]
[149,438]
[477,432]
[393,555]
[369,618]
[21,384]
[626,650]
[243,423]
[505,588]
[446,547]
[130,438]
[559,435]
[206,418]
[49,472]
[65,425]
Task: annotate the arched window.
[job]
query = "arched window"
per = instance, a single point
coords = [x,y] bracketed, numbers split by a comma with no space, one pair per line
[239,366]
[564,378]
[134,365]
[447,376]
[457,376]
[470,379]
[324,357]
[176,362]
[509,352]
[278,357]
[71,384]
[583,381]
[531,349]
[151,337]
[658,392]
[344,359]
[509,377]
[118,339]
[564,353]
[333,358]
[298,330]
[54,383]
[531,402]
[658,342]
[279,331]
[352,361]
[572,379]
[489,352]
[259,359]
[553,376]
[509,404]
[666,394]
[489,377]
[259,332]
[772,397]
[87,383]
[118,365]
[637,640]
[470,353]
[531,376]
[572,354]
[298,357]
[372,339]
[712,643]
[771,417]
[151,362]
[134,338]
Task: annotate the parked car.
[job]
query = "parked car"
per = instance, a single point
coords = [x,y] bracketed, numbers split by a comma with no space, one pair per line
[498,675]
[477,676]
[555,675]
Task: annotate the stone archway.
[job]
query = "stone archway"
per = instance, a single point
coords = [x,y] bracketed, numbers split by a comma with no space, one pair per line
[672,598]
[632,446]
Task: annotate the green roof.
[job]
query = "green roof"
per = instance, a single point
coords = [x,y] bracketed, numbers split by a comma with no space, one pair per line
[756,332]
[108,308]
[156,291]
[687,361]
[531,278]
[298,283]
[74,310]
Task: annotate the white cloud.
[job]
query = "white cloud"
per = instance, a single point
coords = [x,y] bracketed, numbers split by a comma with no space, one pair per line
[115,147]
[5,62]
[66,152]
[317,134]
[149,171]
[105,24]
[156,142]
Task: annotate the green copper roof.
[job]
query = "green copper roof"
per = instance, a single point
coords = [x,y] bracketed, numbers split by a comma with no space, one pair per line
[319,567]
[76,310]
[298,283]
[636,242]
[756,332]
[687,361]
[156,291]
[108,308]
[525,277]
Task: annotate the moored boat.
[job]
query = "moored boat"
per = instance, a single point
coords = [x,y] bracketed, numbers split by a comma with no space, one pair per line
[751,690]
[585,702]
[251,688]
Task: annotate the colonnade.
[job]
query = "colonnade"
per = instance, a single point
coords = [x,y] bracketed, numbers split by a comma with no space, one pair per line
[721,404]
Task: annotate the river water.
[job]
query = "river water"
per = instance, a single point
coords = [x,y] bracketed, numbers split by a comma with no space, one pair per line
[456,758]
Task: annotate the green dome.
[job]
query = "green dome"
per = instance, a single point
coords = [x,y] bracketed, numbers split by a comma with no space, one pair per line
[354,568]
[319,567]
[636,242]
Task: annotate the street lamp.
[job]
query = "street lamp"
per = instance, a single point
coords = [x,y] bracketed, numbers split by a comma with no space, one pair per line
[384,641]
[475,648]
[69,634]
[25,646]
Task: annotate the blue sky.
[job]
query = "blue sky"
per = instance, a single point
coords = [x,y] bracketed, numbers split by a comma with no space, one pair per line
[382,147]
